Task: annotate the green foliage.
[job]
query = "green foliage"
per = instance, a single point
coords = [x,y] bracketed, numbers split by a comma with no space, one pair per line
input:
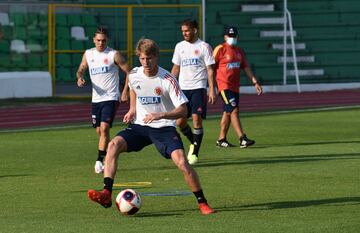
[302,175]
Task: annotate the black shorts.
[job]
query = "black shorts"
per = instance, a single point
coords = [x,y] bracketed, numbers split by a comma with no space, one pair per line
[165,139]
[230,99]
[197,102]
[104,112]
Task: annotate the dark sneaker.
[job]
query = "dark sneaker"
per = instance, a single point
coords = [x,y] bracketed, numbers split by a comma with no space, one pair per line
[223,143]
[103,197]
[245,142]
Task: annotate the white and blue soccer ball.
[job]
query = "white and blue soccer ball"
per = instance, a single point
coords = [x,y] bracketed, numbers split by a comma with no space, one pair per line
[128,201]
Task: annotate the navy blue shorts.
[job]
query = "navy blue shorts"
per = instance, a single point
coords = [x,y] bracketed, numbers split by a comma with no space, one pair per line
[104,112]
[165,139]
[197,102]
[230,99]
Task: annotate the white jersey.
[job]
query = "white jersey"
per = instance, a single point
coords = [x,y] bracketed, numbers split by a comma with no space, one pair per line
[160,93]
[104,74]
[193,59]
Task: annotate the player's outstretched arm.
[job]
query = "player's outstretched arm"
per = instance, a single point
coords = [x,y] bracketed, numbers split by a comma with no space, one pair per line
[81,71]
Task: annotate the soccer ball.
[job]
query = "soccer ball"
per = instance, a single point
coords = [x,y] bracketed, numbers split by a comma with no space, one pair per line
[128,202]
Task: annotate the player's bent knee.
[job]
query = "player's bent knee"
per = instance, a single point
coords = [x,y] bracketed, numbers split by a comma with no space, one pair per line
[118,144]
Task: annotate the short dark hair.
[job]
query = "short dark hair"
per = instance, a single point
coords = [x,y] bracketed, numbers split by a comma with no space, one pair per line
[192,23]
[102,30]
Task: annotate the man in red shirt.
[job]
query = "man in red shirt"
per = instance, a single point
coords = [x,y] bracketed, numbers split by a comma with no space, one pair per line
[229,60]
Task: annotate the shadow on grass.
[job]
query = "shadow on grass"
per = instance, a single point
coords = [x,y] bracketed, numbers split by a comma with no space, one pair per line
[278,159]
[114,189]
[18,175]
[305,144]
[294,204]
[162,214]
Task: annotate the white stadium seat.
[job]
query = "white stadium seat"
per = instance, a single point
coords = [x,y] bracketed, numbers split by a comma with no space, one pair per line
[78,33]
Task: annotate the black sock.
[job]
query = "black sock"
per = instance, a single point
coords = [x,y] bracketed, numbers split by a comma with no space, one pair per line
[200,196]
[188,133]
[108,183]
[198,136]
[101,155]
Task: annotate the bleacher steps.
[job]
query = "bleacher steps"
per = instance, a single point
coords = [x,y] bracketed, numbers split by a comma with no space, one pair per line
[272,20]
[309,72]
[298,46]
[257,7]
[275,33]
[290,59]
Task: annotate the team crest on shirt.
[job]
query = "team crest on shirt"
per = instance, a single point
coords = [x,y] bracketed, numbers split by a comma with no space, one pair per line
[238,55]
[106,61]
[197,52]
[158,90]
[227,57]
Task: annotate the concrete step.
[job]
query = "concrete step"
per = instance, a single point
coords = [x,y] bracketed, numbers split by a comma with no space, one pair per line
[290,59]
[298,46]
[272,20]
[309,72]
[257,7]
[275,33]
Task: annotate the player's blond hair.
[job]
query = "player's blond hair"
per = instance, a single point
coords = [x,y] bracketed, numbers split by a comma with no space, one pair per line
[148,47]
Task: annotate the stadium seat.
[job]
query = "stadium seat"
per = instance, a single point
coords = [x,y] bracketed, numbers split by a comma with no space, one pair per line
[77,45]
[18,46]
[62,44]
[19,32]
[35,33]
[5,61]
[76,58]
[43,21]
[74,20]
[78,33]
[7,32]
[35,62]
[19,60]
[4,19]
[89,44]
[89,31]
[4,46]
[61,20]
[18,18]
[64,74]
[35,47]
[62,33]
[32,20]
[63,60]
[89,20]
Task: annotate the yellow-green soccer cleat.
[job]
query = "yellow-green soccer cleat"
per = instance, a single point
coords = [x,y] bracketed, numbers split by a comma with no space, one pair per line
[192,159]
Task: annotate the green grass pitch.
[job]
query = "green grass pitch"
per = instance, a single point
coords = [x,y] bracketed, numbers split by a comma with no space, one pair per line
[302,175]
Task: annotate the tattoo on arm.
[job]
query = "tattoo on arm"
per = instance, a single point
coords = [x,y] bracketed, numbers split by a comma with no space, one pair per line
[82,68]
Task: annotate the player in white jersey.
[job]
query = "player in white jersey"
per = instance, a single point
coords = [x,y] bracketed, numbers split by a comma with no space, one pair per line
[156,101]
[193,62]
[103,64]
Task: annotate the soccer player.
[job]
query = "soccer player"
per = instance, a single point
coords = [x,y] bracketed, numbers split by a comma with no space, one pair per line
[156,101]
[229,59]
[193,62]
[103,64]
